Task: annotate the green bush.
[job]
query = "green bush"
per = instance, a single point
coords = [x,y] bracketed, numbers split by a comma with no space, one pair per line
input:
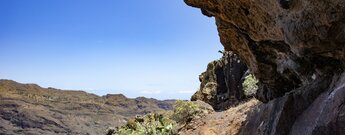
[151,124]
[162,123]
[184,111]
[250,85]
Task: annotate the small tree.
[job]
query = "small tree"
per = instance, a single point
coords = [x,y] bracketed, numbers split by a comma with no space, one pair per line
[249,85]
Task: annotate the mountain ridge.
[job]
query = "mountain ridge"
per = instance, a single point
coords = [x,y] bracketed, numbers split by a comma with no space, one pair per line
[31,109]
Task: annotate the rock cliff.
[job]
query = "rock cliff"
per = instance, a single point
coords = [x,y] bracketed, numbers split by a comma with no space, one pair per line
[296,48]
[221,83]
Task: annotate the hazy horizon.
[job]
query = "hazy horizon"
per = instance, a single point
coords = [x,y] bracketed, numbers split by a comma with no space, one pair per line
[150,48]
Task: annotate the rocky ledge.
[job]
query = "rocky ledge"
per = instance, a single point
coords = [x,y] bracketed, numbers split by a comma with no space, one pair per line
[296,48]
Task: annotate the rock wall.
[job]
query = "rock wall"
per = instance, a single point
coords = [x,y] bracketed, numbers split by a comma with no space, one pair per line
[285,43]
[296,48]
[315,109]
[221,83]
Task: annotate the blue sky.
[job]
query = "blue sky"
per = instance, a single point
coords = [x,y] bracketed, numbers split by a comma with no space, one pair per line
[152,48]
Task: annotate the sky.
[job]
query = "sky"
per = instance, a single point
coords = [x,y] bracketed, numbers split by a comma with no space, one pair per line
[151,48]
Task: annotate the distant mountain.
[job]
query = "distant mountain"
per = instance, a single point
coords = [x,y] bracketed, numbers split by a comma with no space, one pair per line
[31,109]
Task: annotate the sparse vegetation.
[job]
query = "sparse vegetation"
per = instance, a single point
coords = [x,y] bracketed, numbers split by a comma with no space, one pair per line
[151,124]
[162,123]
[184,111]
[250,85]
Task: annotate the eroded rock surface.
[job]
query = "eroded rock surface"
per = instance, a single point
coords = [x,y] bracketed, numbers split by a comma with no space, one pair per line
[284,48]
[221,83]
[296,48]
[297,113]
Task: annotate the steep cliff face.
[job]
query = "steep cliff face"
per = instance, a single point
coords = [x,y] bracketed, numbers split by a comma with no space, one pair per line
[296,48]
[221,83]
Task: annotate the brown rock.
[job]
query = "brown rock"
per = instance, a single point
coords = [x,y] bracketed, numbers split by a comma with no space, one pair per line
[206,108]
[296,48]
[284,48]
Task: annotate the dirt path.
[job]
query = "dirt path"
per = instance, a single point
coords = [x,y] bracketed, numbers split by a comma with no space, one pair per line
[220,123]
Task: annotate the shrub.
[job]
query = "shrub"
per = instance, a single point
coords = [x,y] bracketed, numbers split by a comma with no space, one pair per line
[185,111]
[162,123]
[151,124]
[249,85]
